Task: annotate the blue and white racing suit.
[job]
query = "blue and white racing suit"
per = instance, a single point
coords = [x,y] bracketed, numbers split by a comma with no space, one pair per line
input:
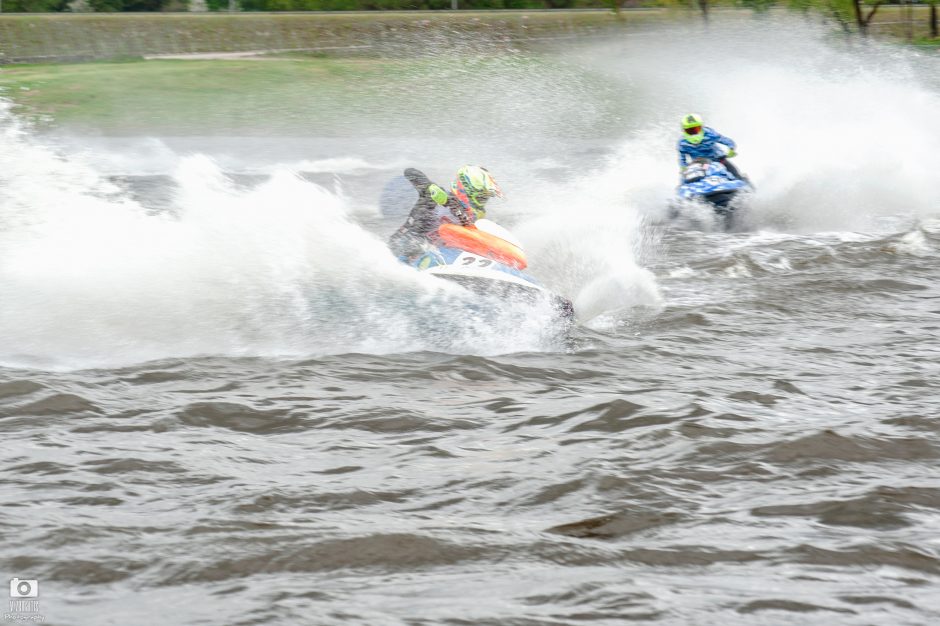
[708,148]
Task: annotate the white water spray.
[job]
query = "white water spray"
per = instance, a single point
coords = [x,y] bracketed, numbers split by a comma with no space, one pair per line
[835,136]
[89,277]
[834,133]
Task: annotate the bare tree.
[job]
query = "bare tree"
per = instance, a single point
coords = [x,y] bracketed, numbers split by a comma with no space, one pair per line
[863,19]
[933,18]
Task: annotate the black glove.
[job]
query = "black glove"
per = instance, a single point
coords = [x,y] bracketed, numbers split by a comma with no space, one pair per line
[417,178]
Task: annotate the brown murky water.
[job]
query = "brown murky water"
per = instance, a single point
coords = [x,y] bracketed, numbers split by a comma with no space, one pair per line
[223,402]
[765,456]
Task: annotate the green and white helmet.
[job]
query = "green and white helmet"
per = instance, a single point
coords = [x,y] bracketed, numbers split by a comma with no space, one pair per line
[473,187]
[693,128]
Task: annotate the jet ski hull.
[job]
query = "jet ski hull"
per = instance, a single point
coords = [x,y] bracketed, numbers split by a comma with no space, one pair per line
[488,277]
[710,185]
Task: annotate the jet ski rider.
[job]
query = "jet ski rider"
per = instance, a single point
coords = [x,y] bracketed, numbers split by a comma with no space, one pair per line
[464,205]
[699,141]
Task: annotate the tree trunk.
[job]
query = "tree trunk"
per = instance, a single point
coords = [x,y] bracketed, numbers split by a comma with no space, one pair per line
[933,20]
[703,5]
[859,20]
[864,20]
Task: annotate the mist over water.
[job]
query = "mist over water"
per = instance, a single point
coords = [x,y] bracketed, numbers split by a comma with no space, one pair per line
[278,268]
[225,401]
[835,133]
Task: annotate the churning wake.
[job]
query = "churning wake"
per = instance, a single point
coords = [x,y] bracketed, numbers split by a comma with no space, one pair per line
[836,135]
[89,276]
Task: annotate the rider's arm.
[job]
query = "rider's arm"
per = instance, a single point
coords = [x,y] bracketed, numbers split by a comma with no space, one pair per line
[682,156]
[437,194]
[417,178]
[728,141]
[424,185]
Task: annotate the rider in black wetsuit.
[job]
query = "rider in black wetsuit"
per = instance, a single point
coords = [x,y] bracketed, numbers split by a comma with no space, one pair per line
[464,205]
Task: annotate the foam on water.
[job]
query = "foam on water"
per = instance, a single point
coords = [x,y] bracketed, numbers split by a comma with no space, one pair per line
[838,137]
[584,235]
[90,277]
[834,133]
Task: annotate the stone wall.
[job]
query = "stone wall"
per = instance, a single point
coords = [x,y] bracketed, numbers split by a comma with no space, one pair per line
[76,37]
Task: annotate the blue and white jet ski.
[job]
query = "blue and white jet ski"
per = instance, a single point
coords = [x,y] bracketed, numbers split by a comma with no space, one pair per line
[486,259]
[710,183]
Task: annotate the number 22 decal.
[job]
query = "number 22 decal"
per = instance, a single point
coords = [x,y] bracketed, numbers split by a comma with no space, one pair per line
[470,260]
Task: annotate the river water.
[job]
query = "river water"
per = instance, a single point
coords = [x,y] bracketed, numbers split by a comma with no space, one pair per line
[223,402]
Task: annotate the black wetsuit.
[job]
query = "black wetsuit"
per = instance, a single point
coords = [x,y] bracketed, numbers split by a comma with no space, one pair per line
[423,221]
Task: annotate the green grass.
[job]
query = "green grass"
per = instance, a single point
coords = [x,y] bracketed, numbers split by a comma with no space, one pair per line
[197,96]
[307,92]
[296,96]
[324,86]
[897,22]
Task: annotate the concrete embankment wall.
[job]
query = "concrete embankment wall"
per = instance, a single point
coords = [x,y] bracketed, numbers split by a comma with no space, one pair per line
[77,37]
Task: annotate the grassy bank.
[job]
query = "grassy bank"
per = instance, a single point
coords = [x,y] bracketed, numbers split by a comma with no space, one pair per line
[173,96]
[379,84]
[291,96]
[73,37]
[901,22]
[320,73]
[190,96]
[65,37]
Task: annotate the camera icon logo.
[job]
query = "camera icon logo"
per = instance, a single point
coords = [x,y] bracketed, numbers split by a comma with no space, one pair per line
[24,588]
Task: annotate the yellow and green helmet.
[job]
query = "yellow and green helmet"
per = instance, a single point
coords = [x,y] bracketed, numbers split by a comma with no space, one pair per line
[473,187]
[693,128]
